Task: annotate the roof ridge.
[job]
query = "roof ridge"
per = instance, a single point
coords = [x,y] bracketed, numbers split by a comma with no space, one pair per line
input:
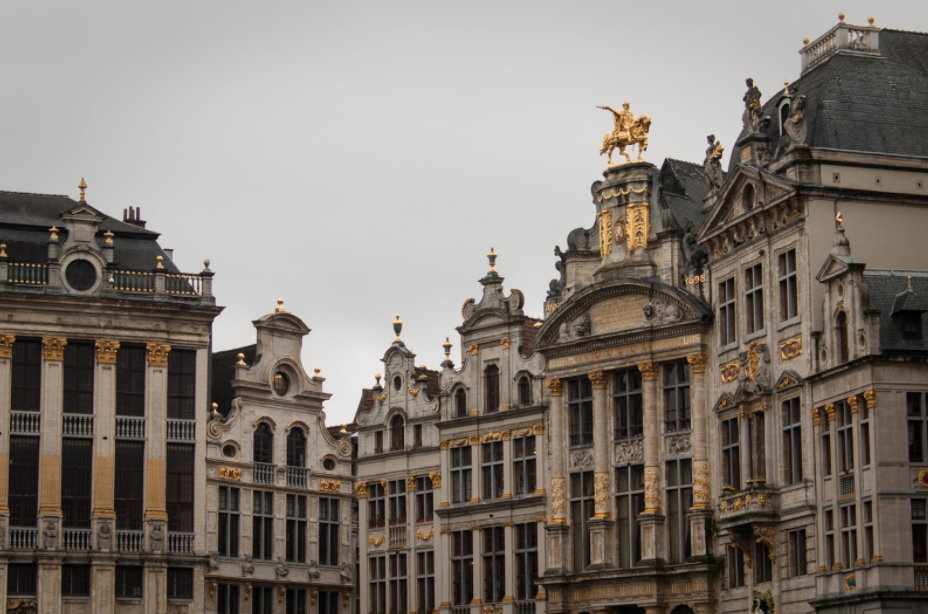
[904,31]
[696,164]
[244,347]
[35,194]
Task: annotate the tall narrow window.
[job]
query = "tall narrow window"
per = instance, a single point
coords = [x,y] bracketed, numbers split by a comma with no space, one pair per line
[864,433]
[727,321]
[731,454]
[829,538]
[789,299]
[754,298]
[397,433]
[679,500]
[377,583]
[460,403]
[262,525]
[296,448]
[296,601]
[677,396]
[494,564]
[920,530]
[398,594]
[763,568]
[841,352]
[424,501]
[378,442]
[227,599]
[328,602]
[128,582]
[461,474]
[868,530]
[75,580]
[629,482]
[228,521]
[328,532]
[462,567]
[627,404]
[492,469]
[78,378]
[425,581]
[792,440]
[491,378]
[130,381]
[179,487]
[76,473]
[525,391]
[526,556]
[849,535]
[735,567]
[757,426]
[797,553]
[26,380]
[580,404]
[24,480]
[376,506]
[581,510]
[917,424]
[396,501]
[182,384]
[263,444]
[845,437]
[417,436]
[21,580]
[524,464]
[826,450]
[296,528]
[180,583]
[262,600]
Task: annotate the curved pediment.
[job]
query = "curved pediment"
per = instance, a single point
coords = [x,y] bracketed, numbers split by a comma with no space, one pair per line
[620,307]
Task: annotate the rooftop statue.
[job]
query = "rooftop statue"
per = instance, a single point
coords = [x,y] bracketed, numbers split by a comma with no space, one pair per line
[628,131]
[795,125]
[752,105]
[713,164]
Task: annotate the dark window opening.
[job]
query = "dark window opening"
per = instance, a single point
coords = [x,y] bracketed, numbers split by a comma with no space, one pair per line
[491,376]
[179,492]
[76,482]
[26,381]
[182,384]
[130,381]
[78,378]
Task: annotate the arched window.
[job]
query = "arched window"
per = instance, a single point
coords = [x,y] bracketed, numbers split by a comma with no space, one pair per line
[525,392]
[841,353]
[296,448]
[784,115]
[397,433]
[491,375]
[264,444]
[460,403]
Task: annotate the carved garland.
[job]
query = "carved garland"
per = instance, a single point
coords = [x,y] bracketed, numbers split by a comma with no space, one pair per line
[425,536]
[376,542]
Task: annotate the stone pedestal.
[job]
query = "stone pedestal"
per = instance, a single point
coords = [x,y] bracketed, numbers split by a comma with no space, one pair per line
[602,537]
[558,540]
[652,538]
[625,221]
[698,539]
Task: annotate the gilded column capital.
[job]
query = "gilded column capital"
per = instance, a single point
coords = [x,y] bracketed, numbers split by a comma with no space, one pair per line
[648,370]
[852,402]
[6,345]
[435,476]
[158,354]
[474,349]
[698,362]
[443,444]
[816,417]
[410,483]
[53,347]
[506,342]
[599,379]
[870,398]
[106,351]
[555,387]
[831,411]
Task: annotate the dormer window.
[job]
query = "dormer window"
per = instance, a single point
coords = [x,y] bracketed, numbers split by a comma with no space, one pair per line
[525,392]
[907,313]
[784,114]
[910,323]
[842,353]
[281,383]
[397,433]
[460,403]
[748,197]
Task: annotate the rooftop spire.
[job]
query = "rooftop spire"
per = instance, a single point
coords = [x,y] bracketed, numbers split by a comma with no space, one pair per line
[82,186]
[492,256]
[398,328]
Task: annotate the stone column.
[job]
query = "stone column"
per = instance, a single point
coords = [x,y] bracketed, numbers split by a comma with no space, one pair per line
[477,475]
[557,529]
[509,536]
[104,429]
[652,519]
[701,510]
[156,398]
[363,532]
[50,446]
[541,453]
[443,581]
[155,579]
[601,525]
[6,374]
[747,454]
[509,485]
[102,585]
[478,568]
[48,584]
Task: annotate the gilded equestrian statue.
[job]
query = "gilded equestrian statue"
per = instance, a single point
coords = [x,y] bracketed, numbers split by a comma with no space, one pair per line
[628,131]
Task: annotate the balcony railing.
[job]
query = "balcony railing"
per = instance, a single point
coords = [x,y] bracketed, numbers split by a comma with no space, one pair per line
[460,610]
[398,536]
[180,543]
[23,539]
[27,273]
[847,486]
[182,430]
[130,541]
[130,427]
[77,425]
[25,422]
[78,539]
[264,473]
[184,284]
[296,477]
[921,578]
[525,607]
[134,281]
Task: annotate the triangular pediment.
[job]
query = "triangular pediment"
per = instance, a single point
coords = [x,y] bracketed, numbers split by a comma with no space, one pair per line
[769,189]
[83,210]
[725,401]
[836,266]
[789,380]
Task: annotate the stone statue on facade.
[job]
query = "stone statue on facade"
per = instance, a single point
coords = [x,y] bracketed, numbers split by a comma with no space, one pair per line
[51,535]
[628,131]
[754,376]
[313,569]
[575,329]
[345,574]
[104,536]
[713,165]
[752,106]
[247,567]
[21,606]
[280,569]
[156,537]
[796,125]
[213,559]
[695,255]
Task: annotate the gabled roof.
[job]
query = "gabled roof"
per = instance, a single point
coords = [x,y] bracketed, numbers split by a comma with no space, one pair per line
[725,209]
[684,188]
[885,286]
[44,211]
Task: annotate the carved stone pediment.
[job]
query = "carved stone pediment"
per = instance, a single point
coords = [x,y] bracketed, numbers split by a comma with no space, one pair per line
[730,204]
[789,380]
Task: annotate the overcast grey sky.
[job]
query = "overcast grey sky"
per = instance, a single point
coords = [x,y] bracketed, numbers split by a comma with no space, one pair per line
[358,159]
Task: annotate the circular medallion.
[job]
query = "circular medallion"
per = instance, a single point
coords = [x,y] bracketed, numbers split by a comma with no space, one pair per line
[619,232]
[344,448]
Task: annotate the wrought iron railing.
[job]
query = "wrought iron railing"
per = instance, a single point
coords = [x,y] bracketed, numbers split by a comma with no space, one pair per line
[525,607]
[847,486]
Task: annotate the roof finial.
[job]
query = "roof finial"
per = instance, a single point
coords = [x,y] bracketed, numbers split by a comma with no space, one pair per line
[215,411]
[805,41]
[160,260]
[786,80]
[344,429]
[841,17]
[492,256]
[447,345]
[280,306]
[83,186]
[910,282]
[398,327]
[241,360]
[839,219]
[870,20]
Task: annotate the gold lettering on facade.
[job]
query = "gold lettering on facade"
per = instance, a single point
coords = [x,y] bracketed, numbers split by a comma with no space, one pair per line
[692,280]
[550,307]
[791,348]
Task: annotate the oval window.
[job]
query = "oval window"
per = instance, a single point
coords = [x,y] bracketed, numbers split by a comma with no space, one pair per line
[228,451]
[80,275]
[748,197]
[328,464]
[281,383]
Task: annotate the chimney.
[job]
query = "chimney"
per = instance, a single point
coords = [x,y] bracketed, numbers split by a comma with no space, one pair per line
[169,252]
[133,216]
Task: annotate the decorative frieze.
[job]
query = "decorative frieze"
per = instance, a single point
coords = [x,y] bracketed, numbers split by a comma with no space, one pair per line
[652,492]
[601,495]
[330,485]
[678,445]
[629,452]
[558,504]
[230,473]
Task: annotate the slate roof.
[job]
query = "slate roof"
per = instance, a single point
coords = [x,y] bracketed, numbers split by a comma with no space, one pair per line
[432,387]
[885,286]
[684,188]
[224,371]
[865,103]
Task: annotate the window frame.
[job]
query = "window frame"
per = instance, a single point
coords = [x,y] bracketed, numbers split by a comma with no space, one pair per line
[525,554]
[78,369]
[629,505]
[848,517]
[791,420]
[129,584]
[524,464]
[580,411]
[227,599]
[75,580]
[23,496]
[494,564]
[76,482]
[679,493]
[582,509]
[524,388]
[229,521]
[296,529]
[460,403]
[461,474]
[754,299]
[676,396]
[628,404]
[296,448]
[376,506]
[377,583]
[727,312]
[788,281]
[731,452]
[798,555]
[917,426]
[462,567]
[425,503]
[131,367]
[398,582]
[329,531]
[26,375]
[397,510]
[491,375]
[262,525]
[492,470]
[182,384]
[425,581]
[180,486]
[180,583]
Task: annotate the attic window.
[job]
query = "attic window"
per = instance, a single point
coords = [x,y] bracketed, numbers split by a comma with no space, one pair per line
[784,114]
[281,384]
[80,275]
[910,322]
[748,197]
[397,383]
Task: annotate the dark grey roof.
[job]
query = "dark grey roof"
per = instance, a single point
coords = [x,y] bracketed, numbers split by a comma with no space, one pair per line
[884,286]
[223,372]
[44,211]
[684,188]
[866,103]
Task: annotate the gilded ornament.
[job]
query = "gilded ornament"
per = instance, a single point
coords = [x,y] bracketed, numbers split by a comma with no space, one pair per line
[383,484]
[725,403]
[619,193]
[736,504]
[469,301]
[346,599]
[605,236]
[474,440]
[443,444]
[413,391]
[376,542]
[555,387]
[831,411]
[474,348]
[700,484]
[698,362]
[629,130]
[330,485]
[158,354]
[505,407]
[558,504]
[618,232]
[852,402]
[53,348]
[506,342]
[762,500]
[361,487]
[410,483]
[850,582]
[816,416]
[786,382]
[539,429]
[436,478]
[6,345]
[652,492]
[506,435]
[723,506]
[870,398]
[425,536]
[638,224]
[493,609]
[106,351]
[599,379]
[923,478]
[791,348]
[230,473]
[381,397]
[601,495]
[648,370]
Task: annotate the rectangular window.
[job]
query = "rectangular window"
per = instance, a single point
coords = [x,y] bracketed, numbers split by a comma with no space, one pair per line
[377,583]
[830,538]
[763,566]
[378,442]
[581,510]
[461,474]
[262,600]
[75,580]
[727,321]
[228,521]
[396,500]
[425,582]
[462,567]
[26,380]
[915,410]
[130,381]
[492,387]
[797,553]
[24,480]
[494,564]
[182,384]
[76,482]
[677,396]
[526,556]
[328,602]
[492,469]
[629,483]
[580,408]
[262,525]
[128,582]
[21,580]
[919,531]
[735,567]
[868,530]
[296,529]
[78,378]
[627,404]
[826,450]
[417,436]
[679,500]
[376,506]
[757,428]
[398,594]
[424,503]
[180,583]
[845,437]
[227,599]
[792,440]
[864,433]
[754,298]
[731,454]
[328,532]
[179,487]
[296,601]
[523,452]
[849,535]
[789,298]
[129,485]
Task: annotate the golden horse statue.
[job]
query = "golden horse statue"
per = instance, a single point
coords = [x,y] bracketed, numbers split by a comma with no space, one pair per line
[629,130]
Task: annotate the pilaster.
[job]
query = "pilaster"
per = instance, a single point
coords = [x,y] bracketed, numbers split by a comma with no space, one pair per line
[50,446]
[155,581]
[700,426]
[156,396]
[104,432]
[652,433]
[557,497]
[6,374]
[102,585]
[478,566]
[48,584]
